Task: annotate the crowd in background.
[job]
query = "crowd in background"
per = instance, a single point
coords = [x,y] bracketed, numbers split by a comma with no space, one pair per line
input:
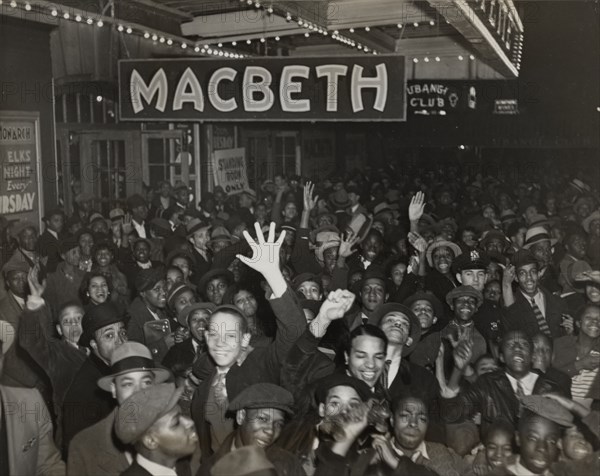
[435,320]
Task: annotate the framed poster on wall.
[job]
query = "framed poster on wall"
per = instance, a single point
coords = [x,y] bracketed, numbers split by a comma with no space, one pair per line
[20,159]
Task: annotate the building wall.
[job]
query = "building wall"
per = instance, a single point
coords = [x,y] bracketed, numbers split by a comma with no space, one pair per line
[26,84]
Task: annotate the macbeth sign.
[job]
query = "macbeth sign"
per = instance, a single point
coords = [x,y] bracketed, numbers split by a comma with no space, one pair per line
[20,161]
[350,88]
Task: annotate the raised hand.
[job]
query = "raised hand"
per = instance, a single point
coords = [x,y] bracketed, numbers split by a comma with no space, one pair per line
[568,323]
[384,449]
[265,253]
[310,202]
[337,304]
[127,226]
[347,243]
[36,288]
[509,275]
[417,242]
[462,353]
[416,207]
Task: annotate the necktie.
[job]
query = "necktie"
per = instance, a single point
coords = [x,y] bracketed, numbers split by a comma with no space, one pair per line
[384,376]
[541,320]
[520,390]
[220,389]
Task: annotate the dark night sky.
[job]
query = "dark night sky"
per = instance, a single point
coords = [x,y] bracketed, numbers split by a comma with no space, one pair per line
[561,57]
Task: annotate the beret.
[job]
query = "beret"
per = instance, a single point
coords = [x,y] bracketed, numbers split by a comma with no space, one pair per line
[339,379]
[438,307]
[97,317]
[147,278]
[263,395]
[464,291]
[547,408]
[212,274]
[139,412]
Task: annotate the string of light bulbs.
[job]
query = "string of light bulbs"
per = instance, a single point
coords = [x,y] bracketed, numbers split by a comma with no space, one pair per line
[129,28]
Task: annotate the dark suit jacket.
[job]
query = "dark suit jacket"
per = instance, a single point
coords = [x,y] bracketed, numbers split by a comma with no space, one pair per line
[520,315]
[135,470]
[49,246]
[180,357]
[262,364]
[138,316]
[493,396]
[96,451]
[85,403]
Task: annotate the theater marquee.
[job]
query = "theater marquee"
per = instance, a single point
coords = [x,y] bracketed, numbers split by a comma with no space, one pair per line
[344,88]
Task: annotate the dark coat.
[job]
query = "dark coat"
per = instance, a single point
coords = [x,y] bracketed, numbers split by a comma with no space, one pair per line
[96,451]
[565,356]
[489,320]
[262,364]
[20,370]
[135,470]
[56,357]
[492,395]
[180,357]
[85,403]
[61,289]
[138,316]
[520,315]
[49,246]
[286,464]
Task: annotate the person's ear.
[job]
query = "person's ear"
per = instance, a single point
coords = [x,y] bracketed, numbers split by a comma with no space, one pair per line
[113,389]
[149,441]
[459,278]
[240,417]
[409,342]
[559,444]
[387,296]
[501,356]
[517,439]
[346,357]
[94,345]
[59,330]
[434,320]
[321,410]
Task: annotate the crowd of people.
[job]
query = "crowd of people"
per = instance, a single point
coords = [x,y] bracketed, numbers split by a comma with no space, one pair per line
[427,321]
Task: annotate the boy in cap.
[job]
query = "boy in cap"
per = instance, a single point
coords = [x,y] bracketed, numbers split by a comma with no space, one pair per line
[260,413]
[85,404]
[236,364]
[95,451]
[198,234]
[464,302]
[533,309]
[151,421]
[538,437]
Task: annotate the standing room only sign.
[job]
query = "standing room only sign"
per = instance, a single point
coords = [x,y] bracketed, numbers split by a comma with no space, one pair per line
[341,88]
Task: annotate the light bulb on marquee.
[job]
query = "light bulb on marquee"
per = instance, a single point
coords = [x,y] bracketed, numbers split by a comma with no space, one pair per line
[28,7]
[129,30]
[100,24]
[54,12]
[66,16]
[78,18]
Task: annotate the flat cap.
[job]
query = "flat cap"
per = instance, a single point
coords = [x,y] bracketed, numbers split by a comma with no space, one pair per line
[97,317]
[116,214]
[138,413]
[547,408]
[303,277]
[244,461]
[185,314]
[263,395]
[438,307]
[16,263]
[340,379]
[21,226]
[464,291]
[147,278]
